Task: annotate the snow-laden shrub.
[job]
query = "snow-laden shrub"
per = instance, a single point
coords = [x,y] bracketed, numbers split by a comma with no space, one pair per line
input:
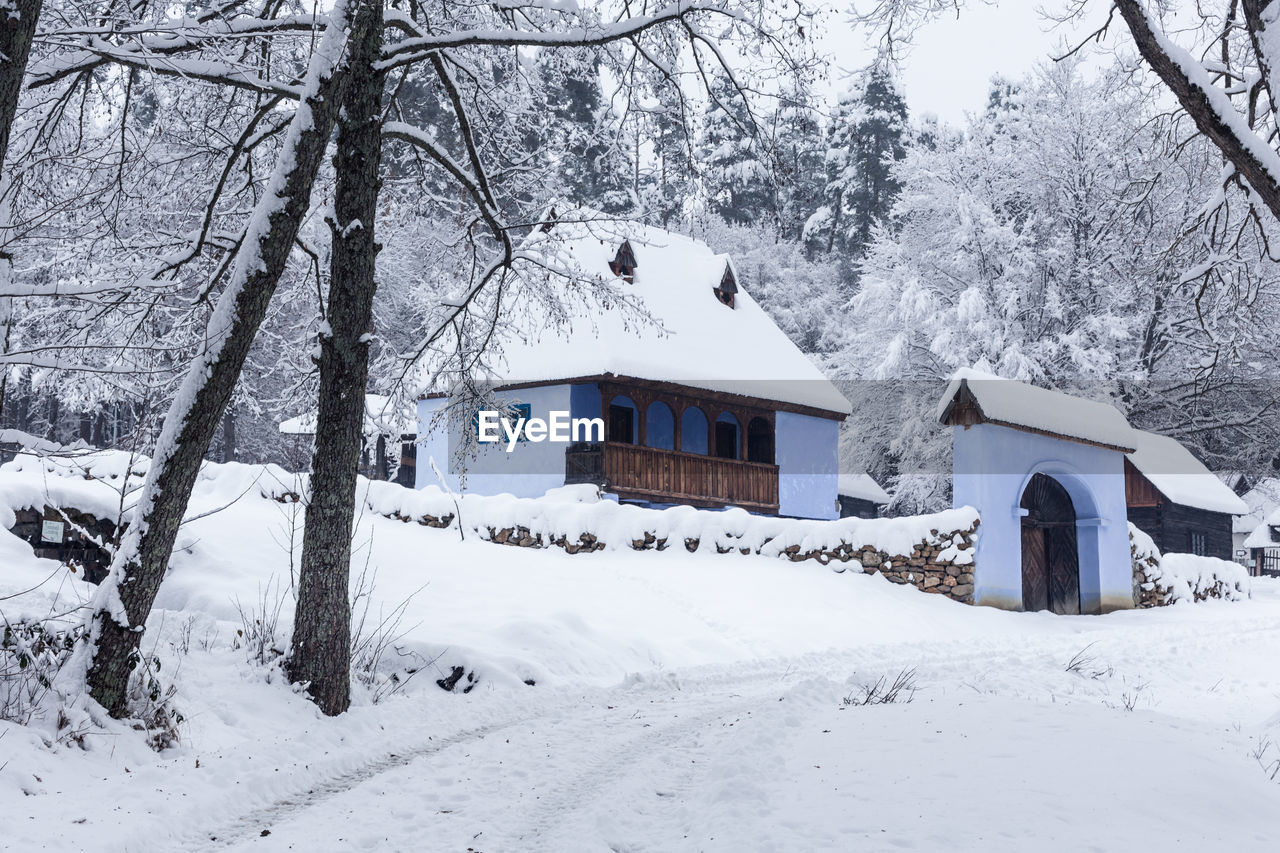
[379,661]
[31,653]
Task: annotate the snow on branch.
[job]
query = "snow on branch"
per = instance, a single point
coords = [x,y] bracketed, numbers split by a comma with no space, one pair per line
[419,46]
[1209,106]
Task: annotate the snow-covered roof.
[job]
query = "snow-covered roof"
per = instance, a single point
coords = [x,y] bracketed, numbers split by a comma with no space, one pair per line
[1181,477]
[1262,536]
[693,339]
[1007,402]
[381,417]
[862,487]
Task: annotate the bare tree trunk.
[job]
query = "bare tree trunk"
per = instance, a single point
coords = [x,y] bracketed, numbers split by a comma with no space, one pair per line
[124,599]
[322,626]
[17,28]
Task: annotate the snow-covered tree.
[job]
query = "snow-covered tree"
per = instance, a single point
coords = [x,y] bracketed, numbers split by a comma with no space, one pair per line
[867,136]
[592,157]
[667,179]
[798,151]
[736,175]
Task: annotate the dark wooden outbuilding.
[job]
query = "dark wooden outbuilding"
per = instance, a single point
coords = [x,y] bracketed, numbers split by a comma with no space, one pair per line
[1178,502]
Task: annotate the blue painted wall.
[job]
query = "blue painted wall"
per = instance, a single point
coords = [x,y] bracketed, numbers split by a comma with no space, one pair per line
[808,465]
[584,401]
[526,472]
[660,426]
[991,468]
[693,431]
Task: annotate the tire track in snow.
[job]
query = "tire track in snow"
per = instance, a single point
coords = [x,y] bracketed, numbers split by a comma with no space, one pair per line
[231,833]
[253,823]
[566,818]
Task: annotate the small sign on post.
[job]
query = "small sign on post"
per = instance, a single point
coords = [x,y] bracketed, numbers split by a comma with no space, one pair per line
[52,531]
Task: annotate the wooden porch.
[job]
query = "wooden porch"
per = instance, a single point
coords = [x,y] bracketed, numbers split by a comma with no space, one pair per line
[636,472]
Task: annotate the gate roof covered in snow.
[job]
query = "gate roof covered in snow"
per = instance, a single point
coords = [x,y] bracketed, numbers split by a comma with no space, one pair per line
[974,397]
[576,314]
[1181,477]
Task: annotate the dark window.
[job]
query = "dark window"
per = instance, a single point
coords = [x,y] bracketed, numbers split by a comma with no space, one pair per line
[407,474]
[727,437]
[622,424]
[760,441]
[1197,542]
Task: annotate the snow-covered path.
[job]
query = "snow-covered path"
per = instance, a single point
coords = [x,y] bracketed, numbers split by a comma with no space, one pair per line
[1001,749]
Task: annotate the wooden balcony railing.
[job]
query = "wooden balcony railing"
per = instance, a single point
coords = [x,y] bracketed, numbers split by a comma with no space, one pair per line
[670,476]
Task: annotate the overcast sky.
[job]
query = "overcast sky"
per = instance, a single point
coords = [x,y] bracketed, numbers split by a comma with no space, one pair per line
[948,70]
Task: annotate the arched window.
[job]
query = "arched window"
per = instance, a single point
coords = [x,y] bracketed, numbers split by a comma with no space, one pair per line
[728,438]
[760,441]
[693,431]
[623,420]
[660,426]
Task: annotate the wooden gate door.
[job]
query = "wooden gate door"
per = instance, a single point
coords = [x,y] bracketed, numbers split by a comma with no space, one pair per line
[1050,552]
[1035,568]
[1064,567]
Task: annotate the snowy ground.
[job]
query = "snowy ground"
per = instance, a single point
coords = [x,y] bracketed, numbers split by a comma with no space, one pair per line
[682,702]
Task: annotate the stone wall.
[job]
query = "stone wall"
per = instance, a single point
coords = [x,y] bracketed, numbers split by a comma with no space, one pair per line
[939,564]
[1146,562]
[930,568]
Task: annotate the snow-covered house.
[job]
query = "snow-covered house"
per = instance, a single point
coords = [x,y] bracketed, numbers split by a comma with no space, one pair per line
[389,448]
[1262,499]
[1177,501]
[860,496]
[703,402]
[1263,546]
[1046,472]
